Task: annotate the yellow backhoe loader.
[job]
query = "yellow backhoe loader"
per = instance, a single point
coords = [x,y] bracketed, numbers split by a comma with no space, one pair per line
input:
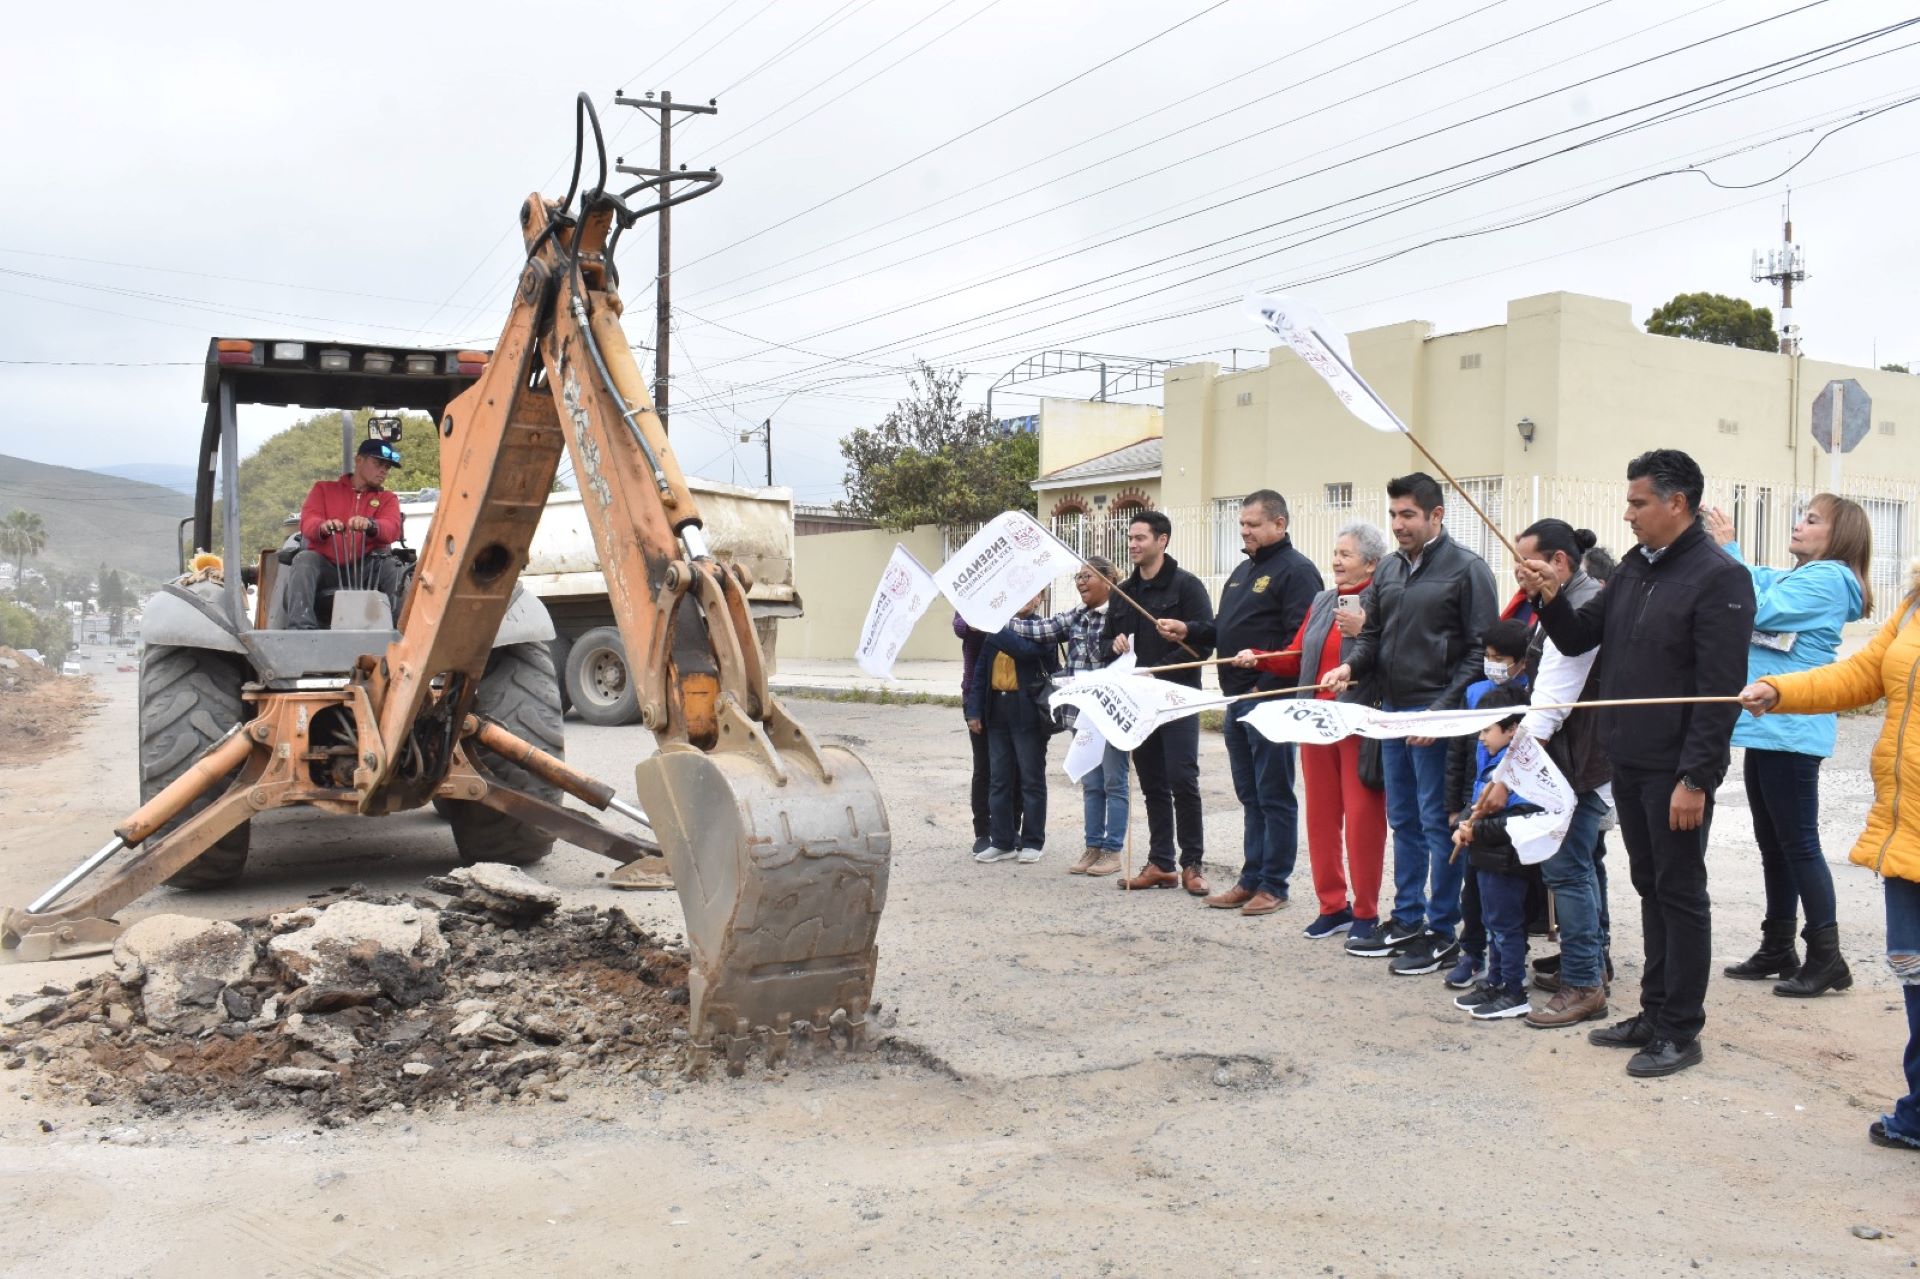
[779,848]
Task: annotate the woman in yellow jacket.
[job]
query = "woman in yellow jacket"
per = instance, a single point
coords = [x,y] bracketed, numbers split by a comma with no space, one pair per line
[1888,667]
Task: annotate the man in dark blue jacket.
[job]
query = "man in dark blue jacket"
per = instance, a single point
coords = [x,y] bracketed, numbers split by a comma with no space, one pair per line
[1427,610]
[1261,606]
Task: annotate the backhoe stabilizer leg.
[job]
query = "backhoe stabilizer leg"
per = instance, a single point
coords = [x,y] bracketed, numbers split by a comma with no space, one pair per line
[782,877]
[86,927]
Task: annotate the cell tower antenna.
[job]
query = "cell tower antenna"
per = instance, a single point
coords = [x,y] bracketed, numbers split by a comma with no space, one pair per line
[1784,266]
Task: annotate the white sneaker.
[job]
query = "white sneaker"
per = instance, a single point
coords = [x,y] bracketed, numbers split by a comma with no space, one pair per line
[992,854]
[1028,856]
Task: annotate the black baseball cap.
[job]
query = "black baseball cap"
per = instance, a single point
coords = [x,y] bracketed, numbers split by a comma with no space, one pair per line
[380,449]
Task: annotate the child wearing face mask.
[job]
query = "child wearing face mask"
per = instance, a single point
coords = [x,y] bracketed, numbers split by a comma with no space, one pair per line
[1505,662]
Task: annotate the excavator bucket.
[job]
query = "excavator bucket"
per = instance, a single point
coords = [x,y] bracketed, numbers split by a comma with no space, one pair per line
[780,857]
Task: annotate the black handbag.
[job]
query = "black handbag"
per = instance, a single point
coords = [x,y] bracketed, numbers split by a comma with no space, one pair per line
[1373,772]
[1041,691]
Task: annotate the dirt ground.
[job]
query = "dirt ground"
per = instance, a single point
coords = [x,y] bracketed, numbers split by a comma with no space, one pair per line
[1080,1082]
[39,710]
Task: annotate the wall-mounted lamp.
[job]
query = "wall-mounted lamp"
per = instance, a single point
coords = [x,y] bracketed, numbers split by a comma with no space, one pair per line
[1526,428]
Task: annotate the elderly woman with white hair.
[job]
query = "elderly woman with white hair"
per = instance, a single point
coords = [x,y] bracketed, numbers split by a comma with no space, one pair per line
[1343,796]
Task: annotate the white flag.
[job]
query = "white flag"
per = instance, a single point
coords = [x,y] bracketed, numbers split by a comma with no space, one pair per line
[1088,751]
[1124,711]
[1309,721]
[902,597]
[1530,773]
[1008,562]
[1318,722]
[1120,666]
[1324,348]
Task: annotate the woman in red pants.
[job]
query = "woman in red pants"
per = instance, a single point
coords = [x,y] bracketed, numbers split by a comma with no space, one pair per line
[1337,797]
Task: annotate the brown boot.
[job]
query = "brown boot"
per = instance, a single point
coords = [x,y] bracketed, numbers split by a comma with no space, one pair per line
[1570,1006]
[1233,899]
[1150,876]
[1105,864]
[1085,864]
[1193,881]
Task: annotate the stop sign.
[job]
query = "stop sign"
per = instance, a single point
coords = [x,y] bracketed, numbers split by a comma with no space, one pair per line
[1847,402]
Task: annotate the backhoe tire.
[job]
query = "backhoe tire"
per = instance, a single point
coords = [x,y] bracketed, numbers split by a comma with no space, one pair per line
[521,691]
[559,646]
[189,699]
[599,679]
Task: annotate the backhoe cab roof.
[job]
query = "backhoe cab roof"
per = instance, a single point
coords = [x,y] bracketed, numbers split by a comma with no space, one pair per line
[338,375]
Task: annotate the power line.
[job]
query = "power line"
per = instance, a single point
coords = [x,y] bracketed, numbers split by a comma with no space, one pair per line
[1178,314]
[778,112]
[1053,178]
[966,133]
[973,321]
[806,38]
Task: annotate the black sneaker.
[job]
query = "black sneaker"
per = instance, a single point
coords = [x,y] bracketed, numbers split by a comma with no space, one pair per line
[1370,940]
[1631,1033]
[1429,954]
[1476,994]
[1504,1003]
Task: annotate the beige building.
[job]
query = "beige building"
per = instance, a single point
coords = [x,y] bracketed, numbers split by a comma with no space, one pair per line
[1539,416]
[1534,417]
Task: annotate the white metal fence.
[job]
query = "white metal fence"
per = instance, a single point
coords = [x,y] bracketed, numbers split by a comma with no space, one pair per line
[1206,538]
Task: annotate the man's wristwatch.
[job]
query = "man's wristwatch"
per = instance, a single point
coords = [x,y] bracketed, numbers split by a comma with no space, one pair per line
[1691,785]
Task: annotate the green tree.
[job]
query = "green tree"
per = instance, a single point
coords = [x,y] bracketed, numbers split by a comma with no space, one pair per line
[931,461]
[23,534]
[115,599]
[1895,368]
[1715,317]
[275,477]
[49,632]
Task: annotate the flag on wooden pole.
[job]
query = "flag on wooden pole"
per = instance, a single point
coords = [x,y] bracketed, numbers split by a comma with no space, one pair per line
[904,592]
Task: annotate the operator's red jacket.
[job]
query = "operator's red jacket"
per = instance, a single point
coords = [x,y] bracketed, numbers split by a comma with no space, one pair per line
[338,500]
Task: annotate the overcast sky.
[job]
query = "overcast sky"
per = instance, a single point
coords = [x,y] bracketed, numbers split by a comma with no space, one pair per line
[978,181]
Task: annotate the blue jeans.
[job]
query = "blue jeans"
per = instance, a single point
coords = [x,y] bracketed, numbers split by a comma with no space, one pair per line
[1104,789]
[1903,954]
[1416,779]
[1017,752]
[1503,908]
[1783,790]
[1263,782]
[1571,875]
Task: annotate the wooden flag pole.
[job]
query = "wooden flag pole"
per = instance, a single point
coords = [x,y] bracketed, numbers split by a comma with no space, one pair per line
[1205,661]
[1425,452]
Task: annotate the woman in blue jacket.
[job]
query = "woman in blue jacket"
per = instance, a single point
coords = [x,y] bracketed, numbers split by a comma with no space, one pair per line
[1796,626]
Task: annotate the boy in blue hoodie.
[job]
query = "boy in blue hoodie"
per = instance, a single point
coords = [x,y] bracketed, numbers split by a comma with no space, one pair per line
[1505,663]
[1499,874]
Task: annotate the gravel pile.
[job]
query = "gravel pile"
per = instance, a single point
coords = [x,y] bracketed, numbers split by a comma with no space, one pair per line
[360,1003]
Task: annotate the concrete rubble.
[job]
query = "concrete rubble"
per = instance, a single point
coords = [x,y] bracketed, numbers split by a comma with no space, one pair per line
[361,1004]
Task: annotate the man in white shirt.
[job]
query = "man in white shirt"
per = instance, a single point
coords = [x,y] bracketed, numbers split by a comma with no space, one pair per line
[1572,739]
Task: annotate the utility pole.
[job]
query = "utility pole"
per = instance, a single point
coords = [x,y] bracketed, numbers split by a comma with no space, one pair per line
[1784,266]
[663,179]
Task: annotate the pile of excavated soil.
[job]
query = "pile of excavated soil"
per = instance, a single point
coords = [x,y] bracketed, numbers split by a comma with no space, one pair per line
[39,710]
[341,1011]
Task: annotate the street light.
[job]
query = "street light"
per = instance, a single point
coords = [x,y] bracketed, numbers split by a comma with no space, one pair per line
[1526,428]
[764,432]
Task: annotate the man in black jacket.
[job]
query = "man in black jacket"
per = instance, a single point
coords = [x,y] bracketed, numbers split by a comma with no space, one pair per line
[1261,606]
[1168,761]
[1675,621]
[1430,603]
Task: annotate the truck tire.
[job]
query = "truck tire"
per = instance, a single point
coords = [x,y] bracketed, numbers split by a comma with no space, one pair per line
[189,699]
[560,646]
[599,681]
[521,692]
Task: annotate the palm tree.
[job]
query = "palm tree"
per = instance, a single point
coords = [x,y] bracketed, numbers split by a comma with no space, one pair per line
[22,534]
